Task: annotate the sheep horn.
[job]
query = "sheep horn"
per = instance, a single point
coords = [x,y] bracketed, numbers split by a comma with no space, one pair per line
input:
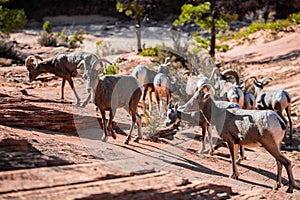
[167,60]
[29,61]
[265,80]
[215,69]
[207,86]
[100,60]
[230,72]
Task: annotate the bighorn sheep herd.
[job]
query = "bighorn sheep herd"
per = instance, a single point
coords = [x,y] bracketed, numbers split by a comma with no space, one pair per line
[240,118]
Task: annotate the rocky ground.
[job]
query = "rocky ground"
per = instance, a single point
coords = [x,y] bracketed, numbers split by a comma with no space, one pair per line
[51,149]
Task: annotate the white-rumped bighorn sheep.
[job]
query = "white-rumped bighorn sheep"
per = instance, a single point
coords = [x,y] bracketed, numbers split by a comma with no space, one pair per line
[162,89]
[63,65]
[277,100]
[244,127]
[146,78]
[113,92]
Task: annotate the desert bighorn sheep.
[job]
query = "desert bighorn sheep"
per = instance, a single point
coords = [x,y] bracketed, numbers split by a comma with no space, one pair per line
[277,100]
[113,92]
[162,89]
[63,65]
[244,127]
[146,78]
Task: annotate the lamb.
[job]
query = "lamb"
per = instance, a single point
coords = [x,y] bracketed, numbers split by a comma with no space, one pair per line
[162,88]
[146,78]
[277,100]
[63,65]
[244,127]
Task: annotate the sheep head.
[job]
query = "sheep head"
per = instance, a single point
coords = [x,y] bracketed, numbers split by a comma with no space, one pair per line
[198,100]
[31,63]
[230,72]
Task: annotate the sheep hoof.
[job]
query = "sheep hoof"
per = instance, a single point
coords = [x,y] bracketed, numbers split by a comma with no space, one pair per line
[136,139]
[126,142]
[104,139]
[277,186]
[233,176]
[290,190]
[114,136]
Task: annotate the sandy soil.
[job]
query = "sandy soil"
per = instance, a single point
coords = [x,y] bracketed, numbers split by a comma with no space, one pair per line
[47,164]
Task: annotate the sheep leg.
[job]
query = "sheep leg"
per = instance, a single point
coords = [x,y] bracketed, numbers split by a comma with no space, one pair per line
[62,88]
[242,154]
[209,130]
[203,127]
[139,125]
[150,101]
[279,173]
[233,148]
[274,149]
[69,79]
[87,100]
[157,100]
[288,113]
[145,88]
[104,122]
[112,113]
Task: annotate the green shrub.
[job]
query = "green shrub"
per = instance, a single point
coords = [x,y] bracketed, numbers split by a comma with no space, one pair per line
[11,19]
[47,39]
[111,69]
[150,51]
[47,27]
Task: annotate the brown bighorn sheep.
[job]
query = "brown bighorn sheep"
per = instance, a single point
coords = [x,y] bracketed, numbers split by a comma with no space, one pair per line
[146,78]
[162,88]
[113,92]
[244,127]
[277,100]
[63,65]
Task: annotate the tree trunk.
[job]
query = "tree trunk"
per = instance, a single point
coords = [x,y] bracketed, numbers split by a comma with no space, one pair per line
[213,30]
[138,25]
[138,32]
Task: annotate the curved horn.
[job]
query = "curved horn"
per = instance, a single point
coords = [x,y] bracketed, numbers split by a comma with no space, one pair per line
[29,61]
[100,60]
[215,69]
[230,72]
[265,80]
[38,57]
[167,60]
[207,86]
[256,82]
